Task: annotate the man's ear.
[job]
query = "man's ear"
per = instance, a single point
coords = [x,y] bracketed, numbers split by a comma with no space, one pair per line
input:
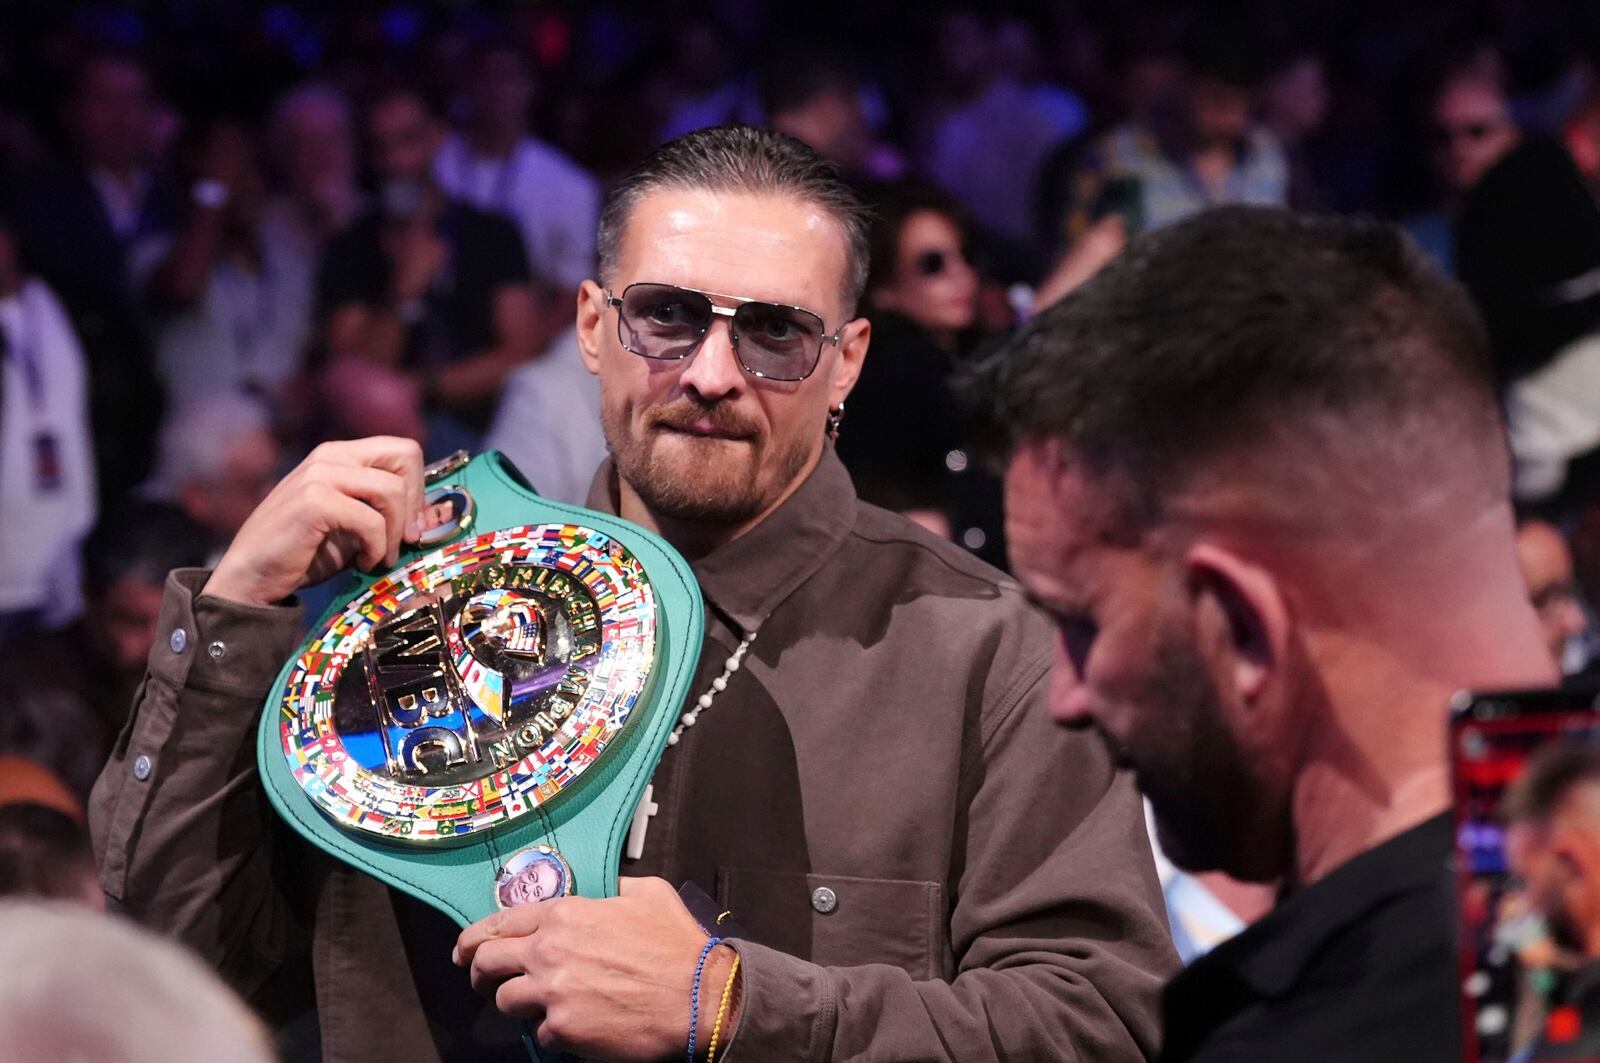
[591,319]
[852,355]
[1246,602]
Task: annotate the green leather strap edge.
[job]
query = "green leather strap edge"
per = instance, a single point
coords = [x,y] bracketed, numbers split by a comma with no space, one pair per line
[588,825]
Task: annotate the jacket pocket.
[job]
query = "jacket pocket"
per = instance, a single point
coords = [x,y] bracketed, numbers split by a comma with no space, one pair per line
[839,920]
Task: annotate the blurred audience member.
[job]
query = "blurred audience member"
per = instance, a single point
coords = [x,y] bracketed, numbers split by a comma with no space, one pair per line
[70,689]
[218,459]
[1294,106]
[310,140]
[905,439]
[698,86]
[1528,248]
[817,96]
[1210,437]
[47,485]
[99,988]
[548,422]
[426,287]
[1547,568]
[45,853]
[231,303]
[77,223]
[1581,135]
[1198,150]
[498,165]
[1552,815]
[1470,128]
[988,146]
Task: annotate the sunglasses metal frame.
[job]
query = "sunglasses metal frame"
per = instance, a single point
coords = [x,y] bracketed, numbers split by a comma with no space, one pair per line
[728,312]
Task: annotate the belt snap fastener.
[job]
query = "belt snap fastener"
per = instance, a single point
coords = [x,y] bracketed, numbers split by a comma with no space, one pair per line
[141,767]
[824,900]
[179,640]
[217,650]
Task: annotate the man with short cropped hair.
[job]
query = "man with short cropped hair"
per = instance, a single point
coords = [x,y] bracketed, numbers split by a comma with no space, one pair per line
[926,869]
[1259,480]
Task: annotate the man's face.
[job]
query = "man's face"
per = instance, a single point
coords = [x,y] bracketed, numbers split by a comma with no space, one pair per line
[404,138]
[249,471]
[123,621]
[111,114]
[1472,130]
[1547,569]
[501,88]
[699,439]
[1221,111]
[1560,864]
[318,152]
[1131,665]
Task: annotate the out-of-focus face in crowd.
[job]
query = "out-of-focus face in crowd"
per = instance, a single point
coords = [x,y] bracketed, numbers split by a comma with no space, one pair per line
[1547,566]
[933,283]
[1295,101]
[313,145]
[122,621]
[1472,130]
[501,89]
[110,114]
[403,138]
[1557,856]
[1219,111]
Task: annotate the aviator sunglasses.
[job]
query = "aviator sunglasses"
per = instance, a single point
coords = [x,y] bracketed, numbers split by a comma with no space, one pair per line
[668,323]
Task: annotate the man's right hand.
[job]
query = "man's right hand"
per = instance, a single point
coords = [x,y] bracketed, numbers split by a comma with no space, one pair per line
[352,501]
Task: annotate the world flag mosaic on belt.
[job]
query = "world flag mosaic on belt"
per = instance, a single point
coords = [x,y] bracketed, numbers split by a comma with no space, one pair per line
[472,686]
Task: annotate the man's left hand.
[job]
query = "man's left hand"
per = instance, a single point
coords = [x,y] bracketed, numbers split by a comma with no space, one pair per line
[603,978]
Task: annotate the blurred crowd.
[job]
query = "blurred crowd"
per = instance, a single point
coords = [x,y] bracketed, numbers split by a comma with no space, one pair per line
[231,231]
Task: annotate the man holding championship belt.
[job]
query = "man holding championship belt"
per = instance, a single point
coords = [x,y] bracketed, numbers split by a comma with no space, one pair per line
[918,864]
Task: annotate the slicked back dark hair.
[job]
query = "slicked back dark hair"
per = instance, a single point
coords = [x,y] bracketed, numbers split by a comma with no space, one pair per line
[1549,777]
[1227,334]
[747,160]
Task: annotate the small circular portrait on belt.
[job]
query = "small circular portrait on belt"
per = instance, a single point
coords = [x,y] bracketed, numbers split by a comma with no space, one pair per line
[535,874]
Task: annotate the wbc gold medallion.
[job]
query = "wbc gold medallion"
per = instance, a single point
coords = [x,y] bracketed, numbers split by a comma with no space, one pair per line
[472,686]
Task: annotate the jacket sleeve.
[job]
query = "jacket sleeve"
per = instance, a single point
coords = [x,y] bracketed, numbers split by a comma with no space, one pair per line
[181,826]
[1058,927]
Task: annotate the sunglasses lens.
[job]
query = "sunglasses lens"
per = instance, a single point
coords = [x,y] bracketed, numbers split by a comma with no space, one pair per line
[778,342]
[660,321]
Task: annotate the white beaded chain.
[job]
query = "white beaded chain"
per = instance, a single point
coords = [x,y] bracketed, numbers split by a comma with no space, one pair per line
[718,685]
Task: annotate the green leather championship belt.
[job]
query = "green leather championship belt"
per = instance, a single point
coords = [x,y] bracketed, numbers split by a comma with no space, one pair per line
[476,727]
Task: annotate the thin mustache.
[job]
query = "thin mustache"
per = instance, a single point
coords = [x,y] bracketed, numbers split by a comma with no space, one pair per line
[685,415]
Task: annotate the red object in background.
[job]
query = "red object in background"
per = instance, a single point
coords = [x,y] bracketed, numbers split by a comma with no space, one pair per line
[552,40]
[1563,1025]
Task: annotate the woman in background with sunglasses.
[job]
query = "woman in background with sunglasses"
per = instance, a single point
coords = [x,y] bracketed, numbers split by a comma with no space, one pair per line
[906,441]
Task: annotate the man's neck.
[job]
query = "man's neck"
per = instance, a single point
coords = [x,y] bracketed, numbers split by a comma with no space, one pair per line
[494,140]
[1376,756]
[695,539]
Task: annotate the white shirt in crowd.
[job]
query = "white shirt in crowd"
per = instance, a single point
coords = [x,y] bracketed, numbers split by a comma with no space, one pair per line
[47,486]
[548,422]
[247,333]
[552,199]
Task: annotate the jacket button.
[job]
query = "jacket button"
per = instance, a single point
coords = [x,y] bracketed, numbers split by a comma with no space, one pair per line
[824,900]
[141,767]
[217,650]
[179,640]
